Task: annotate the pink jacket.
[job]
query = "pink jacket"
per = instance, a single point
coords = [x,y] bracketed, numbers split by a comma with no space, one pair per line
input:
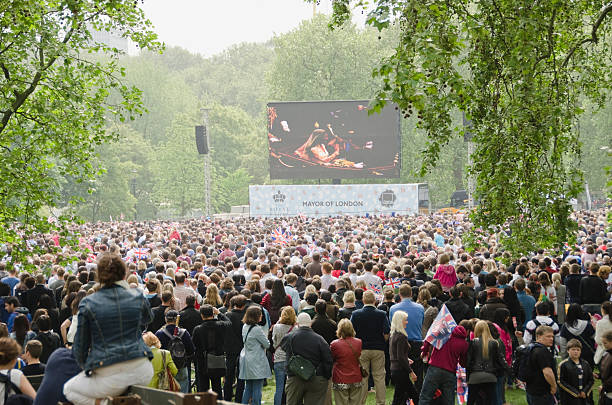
[505,337]
[447,276]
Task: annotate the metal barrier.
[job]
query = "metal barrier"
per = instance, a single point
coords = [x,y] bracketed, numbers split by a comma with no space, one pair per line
[153,396]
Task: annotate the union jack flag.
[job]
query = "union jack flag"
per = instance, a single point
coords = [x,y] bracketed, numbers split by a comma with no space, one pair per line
[440,330]
[462,387]
[394,282]
[141,253]
[374,288]
[279,235]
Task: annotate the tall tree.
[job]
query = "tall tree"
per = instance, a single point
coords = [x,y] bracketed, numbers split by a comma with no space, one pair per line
[525,67]
[179,169]
[52,98]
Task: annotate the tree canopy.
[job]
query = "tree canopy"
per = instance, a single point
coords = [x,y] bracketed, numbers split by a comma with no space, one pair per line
[522,72]
[53,98]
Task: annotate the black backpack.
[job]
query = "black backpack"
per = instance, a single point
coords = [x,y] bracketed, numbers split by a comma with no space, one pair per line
[176,347]
[17,398]
[522,362]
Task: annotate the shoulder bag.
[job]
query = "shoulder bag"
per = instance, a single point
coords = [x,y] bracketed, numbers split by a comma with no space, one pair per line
[165,379]
[364,372]
[213,361]
[299,365]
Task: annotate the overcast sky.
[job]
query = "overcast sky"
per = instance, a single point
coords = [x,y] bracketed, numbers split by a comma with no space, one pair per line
[209,26]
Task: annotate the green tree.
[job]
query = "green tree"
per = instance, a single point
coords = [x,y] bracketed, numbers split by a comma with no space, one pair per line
[233,77]
[179,169]
[312,63]
[53,96]
[519,70]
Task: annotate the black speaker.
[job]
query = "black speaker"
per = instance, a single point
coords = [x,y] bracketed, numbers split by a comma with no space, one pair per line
[201,139]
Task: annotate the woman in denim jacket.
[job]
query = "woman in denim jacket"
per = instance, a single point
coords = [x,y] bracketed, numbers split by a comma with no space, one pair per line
[108,344]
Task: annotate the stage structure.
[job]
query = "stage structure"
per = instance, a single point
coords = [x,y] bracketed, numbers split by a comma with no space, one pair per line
[333,200]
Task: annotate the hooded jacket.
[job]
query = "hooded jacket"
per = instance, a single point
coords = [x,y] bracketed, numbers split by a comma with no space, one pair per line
[447,276]
[454,351]
[584,332]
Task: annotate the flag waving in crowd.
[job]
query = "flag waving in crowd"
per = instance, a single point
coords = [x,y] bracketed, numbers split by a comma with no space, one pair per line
[440,330]
[141,254]
[280,236]
[394,283]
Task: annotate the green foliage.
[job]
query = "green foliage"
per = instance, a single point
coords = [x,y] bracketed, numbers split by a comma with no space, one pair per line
[53,100]
[233,77]
[179,169]
[312,63]
[519,72]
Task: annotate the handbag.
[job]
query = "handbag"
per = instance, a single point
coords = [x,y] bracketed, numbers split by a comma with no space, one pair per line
[213,361]
[363,371]
[165,379]
[300,366]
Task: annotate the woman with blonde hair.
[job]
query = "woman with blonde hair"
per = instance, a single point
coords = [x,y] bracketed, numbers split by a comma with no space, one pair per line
[310,289]
[162,360]
[485,359]
[142,266]
[489,265]
[401,372]
[212,296]
[285,324]
[346,372]
[348,307]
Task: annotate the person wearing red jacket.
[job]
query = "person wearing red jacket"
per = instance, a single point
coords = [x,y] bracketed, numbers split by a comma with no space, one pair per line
[441,373]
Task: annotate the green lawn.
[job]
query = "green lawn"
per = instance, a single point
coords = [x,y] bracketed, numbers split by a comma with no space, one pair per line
[513,396]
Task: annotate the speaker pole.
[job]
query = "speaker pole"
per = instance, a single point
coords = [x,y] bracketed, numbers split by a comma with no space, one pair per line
[207,165]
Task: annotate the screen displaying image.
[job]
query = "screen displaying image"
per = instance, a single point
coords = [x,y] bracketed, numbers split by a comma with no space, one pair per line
[333,139]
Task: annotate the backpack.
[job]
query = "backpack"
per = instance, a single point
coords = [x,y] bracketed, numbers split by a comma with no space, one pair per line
[532,331]
[176,347]
[522,362]
[17,398]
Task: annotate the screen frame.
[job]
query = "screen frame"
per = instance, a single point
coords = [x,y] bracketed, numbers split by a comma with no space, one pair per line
[305,175]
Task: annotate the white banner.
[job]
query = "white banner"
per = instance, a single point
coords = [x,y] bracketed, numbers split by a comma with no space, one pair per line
[326,200]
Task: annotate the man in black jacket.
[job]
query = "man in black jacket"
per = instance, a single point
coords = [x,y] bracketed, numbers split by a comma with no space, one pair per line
[33,295]
[372,327]
[208,339]
[593,291]
[233,346]
[311,346]
[190,317]
[458,309]
[159,313]
[572,284]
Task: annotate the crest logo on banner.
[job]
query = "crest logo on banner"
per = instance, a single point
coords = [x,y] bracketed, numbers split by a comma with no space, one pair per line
[279,197]
[387,198]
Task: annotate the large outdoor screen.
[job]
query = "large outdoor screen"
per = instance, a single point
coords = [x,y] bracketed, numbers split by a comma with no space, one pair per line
[333,140]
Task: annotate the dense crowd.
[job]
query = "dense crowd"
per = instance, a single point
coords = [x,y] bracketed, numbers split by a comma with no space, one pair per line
[329,307]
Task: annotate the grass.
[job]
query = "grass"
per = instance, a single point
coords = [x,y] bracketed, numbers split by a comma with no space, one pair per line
[513,396]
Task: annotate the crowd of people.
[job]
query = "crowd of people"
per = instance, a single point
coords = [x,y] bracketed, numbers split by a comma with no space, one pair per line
[333,308]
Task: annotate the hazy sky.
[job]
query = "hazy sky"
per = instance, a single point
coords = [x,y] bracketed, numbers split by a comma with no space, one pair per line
[209,26]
